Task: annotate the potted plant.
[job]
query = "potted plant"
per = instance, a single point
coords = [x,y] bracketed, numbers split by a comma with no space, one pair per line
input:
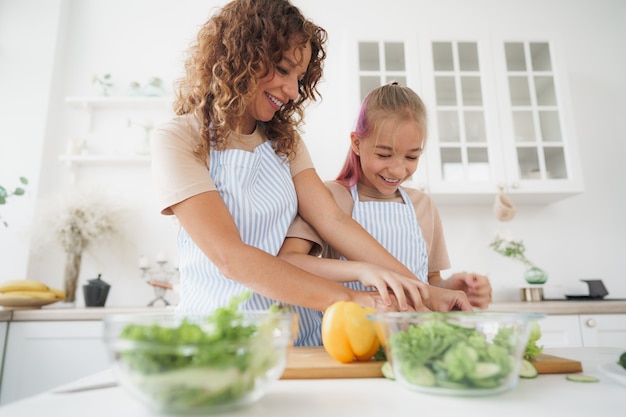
[515,249]
[5,194]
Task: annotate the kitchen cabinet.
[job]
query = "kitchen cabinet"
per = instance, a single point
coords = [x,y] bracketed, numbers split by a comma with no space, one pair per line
[112,130]
[42,355]
[4,327]
[603,330]
[499,114]
[583,330]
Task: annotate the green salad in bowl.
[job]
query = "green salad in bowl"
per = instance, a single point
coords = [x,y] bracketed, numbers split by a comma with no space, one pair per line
[455,353]
[200,363]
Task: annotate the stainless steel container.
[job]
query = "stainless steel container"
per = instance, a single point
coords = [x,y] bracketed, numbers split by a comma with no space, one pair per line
[532,294]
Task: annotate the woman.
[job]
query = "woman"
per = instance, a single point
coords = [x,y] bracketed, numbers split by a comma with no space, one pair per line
[233,170]
[385,151]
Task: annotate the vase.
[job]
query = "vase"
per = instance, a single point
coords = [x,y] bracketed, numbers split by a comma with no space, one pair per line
[72,269]
[534,275]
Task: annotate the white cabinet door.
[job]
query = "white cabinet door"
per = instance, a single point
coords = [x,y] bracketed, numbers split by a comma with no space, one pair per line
[4,326]
[605,330]
[42,355]
[560,331]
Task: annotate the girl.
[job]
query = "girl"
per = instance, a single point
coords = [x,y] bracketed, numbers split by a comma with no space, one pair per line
[385,150]
[233,170]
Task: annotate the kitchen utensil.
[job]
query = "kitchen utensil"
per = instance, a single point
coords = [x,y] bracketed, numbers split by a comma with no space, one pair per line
[456,353]
[96,292]
[194,363]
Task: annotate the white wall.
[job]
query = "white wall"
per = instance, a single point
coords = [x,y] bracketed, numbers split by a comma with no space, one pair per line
[578,238]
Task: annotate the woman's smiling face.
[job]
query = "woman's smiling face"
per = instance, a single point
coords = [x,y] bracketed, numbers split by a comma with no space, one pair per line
[278,87]
[389,157]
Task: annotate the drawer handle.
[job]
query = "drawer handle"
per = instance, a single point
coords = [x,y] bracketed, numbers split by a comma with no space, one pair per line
[590,323]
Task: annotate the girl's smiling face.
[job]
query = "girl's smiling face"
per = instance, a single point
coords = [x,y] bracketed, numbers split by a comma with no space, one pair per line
[278,87]
[390,156]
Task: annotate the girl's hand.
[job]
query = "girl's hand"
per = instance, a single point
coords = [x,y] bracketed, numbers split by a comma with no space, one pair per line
[408,293]
[374,300]
[476,286]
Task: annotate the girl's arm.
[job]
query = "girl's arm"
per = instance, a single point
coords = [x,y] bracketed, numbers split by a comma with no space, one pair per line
[295,251]
[317,206]
[476,286]
[209,223]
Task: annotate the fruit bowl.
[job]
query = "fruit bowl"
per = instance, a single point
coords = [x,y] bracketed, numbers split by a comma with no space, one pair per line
[199,363]
[455,353]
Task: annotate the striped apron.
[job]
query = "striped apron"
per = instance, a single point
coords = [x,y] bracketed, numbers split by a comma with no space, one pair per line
[258,190]
[394,225]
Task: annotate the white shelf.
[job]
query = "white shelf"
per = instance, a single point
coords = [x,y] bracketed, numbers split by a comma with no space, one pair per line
[104,159]
[118,101]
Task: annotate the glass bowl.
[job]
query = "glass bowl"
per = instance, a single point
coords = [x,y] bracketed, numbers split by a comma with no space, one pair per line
[455,353]
[197,364]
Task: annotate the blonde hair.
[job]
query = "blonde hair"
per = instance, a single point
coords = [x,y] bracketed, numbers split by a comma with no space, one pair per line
[391,101]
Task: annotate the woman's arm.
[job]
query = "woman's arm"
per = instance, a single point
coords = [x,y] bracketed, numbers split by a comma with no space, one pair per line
[317,206]
[209,223]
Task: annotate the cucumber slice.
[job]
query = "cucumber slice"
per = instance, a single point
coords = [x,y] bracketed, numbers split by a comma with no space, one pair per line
[528,370]
[387,371]
[485,370]
[581,378]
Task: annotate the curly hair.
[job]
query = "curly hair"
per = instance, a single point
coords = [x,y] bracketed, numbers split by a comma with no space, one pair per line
[234,49]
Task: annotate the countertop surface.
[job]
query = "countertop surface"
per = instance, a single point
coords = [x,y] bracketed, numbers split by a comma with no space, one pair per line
[548,394]
[55,313]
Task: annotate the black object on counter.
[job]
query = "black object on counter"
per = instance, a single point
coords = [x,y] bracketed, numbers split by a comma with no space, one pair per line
[96,292]
[597,291]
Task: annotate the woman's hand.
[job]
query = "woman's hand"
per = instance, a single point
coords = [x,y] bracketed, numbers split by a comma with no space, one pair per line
[442,299]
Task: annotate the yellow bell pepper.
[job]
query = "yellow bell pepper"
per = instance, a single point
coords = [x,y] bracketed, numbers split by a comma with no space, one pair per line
[347,333]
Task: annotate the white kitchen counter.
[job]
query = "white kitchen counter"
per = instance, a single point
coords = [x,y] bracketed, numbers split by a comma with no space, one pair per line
[97,313]
[606,306]
[545,395]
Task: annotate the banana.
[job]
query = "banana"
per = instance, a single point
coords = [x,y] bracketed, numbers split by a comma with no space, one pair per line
[40,295]
[22,285]
[58,294]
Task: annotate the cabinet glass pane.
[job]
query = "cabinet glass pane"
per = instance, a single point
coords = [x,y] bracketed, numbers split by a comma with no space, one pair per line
[475,127]
[394,56]
[555,162]
[549,125]
[515,60]
[468,56]
[399,78]
[540,56]
[544,87]
[518,87]
[472,93]
[446,91]
[451,164]
[528,163]
[442,56]
[478,164]
[368,83]
[524,128]
[368,56]
[448,123]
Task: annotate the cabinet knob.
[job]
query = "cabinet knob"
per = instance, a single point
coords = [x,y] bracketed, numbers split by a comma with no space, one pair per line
[590,323]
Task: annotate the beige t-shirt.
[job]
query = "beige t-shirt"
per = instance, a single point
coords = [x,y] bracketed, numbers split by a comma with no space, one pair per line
[425,210]
[179,174]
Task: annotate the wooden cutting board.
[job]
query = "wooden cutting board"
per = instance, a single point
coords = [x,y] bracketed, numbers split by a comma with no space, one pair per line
[316,363]
[548,364]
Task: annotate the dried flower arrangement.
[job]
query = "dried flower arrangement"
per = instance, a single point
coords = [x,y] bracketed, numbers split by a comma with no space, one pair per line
[82,219]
